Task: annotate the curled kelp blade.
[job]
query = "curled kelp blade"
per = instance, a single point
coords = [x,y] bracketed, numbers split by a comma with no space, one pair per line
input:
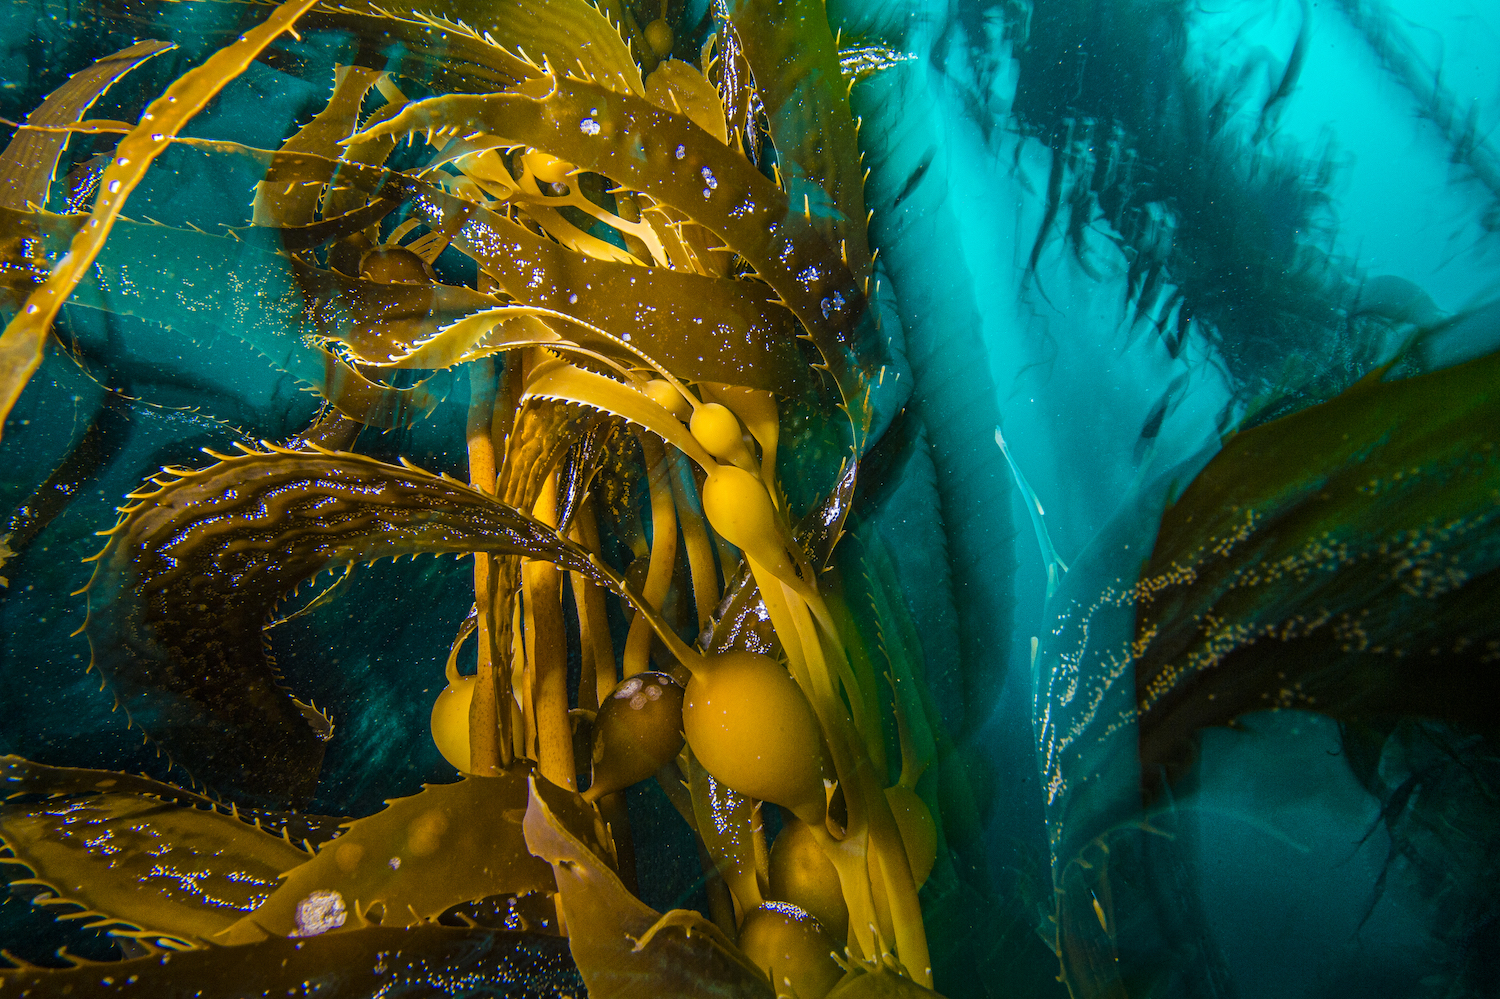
[667,156]
[29,161]
[421,855]
[351,964]
[1345,559]
[624,948]
[162,869]
[193,569]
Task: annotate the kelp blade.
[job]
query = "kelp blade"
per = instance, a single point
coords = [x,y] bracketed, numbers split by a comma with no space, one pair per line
[349,964]
[1345,560]
[193,569]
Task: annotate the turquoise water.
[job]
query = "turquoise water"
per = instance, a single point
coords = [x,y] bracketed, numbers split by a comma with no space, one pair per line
[1117,232]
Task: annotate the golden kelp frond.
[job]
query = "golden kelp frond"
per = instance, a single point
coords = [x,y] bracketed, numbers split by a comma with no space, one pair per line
[794,58]
[666,156]
[570,35]
[346,965]
[623,947]
[29,161]
[195,567]
[167,870]
[421,855]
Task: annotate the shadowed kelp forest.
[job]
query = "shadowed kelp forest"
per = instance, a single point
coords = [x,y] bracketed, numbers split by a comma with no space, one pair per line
[755,498]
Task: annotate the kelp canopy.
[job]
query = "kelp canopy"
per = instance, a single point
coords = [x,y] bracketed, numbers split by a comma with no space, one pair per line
[719,690]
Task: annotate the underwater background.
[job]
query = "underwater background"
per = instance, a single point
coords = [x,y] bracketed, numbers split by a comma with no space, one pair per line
[1123,235]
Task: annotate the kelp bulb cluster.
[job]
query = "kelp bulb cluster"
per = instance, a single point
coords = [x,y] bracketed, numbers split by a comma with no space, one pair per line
[792,948]
[637,731]
[800,873]
[750,726]
[918,831]
[450,722]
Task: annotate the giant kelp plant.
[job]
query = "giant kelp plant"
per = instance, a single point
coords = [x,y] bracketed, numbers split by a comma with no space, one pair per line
[616,259]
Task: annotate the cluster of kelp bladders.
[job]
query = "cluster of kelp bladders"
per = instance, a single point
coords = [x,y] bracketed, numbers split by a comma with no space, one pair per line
[648,287]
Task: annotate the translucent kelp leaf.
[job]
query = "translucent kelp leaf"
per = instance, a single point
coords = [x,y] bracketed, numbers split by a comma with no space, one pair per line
[624,948]
[1341,560]
[25,338]
[421,855]
[193,569]
[27,165]
[795,61]
[571,35]
[203,285]
[165,869]
[351,964]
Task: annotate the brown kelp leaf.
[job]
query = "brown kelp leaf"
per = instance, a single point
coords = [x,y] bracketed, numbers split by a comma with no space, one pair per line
[19,776]
[543,432]
[795,62]
[296,204]
[203,285]
[353,964]
[624,948]
[25,338]
[447,844]
[571,35]
[665,155]
[193,569]
[702,328]
[162,868]
[27,165]
[678,86]
[405,41]
[1344,559]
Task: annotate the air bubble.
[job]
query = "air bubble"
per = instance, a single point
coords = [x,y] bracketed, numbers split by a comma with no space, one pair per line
[114,187]
[710,179]
[589,126]
[681,152]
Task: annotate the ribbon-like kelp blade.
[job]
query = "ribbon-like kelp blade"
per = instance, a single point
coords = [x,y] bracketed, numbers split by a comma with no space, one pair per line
[192,571]
[571,35]
[700,328]
[665,155]
[185,873]
[202,285]
[792,54]
[25,338]
[405,42]
[1345,559]
[350,964]
[19,776]
[624,949]
[27,165]
[421,855]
